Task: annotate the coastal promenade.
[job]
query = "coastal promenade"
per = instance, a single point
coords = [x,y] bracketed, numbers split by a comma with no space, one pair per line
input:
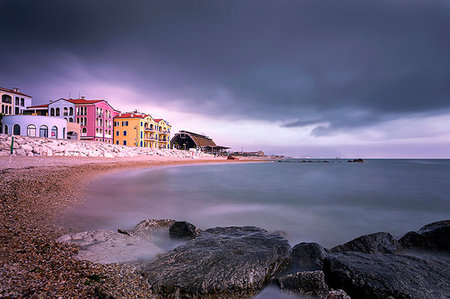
[34,193]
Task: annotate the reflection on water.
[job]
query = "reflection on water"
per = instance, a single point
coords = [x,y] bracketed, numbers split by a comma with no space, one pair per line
[328,203]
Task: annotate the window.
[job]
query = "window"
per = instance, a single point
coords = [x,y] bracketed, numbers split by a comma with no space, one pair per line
[141,134]
[117,142]
[117,133]
[78,120]
[54,132]
[124,142]
[71,111]
[43,131]
[124,133]
[71,119]
[125,123]
[64,133]
[17,111]
[6,99]
[17,101]
[22,102]
[57,111]
[66,111]
[84,131]
[31,130]
[16,129]
[141,143]
[6,129]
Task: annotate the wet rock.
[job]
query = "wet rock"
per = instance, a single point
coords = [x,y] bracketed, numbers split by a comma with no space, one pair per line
[147,227]
[434,236]
[307,257]
[364,275]
[305,283]
[374,243]
[356,161]
[220,262]
[183,230]
[337,294]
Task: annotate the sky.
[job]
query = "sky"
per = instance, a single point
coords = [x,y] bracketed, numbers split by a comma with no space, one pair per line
[300,78]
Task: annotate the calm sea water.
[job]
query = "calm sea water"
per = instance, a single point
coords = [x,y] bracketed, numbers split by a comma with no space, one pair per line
[328,203]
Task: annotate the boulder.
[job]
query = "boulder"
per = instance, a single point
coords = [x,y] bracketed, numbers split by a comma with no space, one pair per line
[310,283]
[307,257]
[373,276]
[374,243]
[434,236]
[220,262]
[183,230]
[146,227]
[337,294]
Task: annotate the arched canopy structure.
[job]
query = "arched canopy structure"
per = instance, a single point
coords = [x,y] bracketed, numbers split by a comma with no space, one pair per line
[187,140]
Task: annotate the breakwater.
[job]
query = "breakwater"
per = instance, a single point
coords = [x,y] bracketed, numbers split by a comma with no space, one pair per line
[35,146]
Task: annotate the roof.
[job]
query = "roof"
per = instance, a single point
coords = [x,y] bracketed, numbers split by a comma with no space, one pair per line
[38,106]
[132,115]
[158,119]
[82,101]
[15,92]
[200,140]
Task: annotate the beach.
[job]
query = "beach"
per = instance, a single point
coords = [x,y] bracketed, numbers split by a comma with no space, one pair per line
[34,192]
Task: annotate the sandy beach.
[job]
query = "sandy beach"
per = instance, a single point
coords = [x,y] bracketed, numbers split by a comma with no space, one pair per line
[34,192]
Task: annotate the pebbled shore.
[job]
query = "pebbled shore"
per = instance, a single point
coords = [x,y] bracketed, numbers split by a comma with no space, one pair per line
[34,192]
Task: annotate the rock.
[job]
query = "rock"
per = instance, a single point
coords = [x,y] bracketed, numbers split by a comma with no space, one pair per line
[337,294]
[148,226]
[434,236]
[305,283]
[364,275]
[374,243]
[307,257]
[356,161]
[103,246]
[220,262]
[183,230]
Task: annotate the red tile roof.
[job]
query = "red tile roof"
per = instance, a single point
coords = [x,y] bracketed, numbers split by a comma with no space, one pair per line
[132,115]
[38,106]
[12,91]
[158,120]
[82,101]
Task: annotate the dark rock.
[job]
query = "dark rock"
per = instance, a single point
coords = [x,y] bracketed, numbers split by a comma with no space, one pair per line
[337,294]
[147,227]
[375,276]
[373,243]
[356,161]
[306,283]
[434,236]
[183,230]
[307,257]
[220,262]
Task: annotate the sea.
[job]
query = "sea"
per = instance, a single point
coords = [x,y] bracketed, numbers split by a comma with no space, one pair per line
[325,201]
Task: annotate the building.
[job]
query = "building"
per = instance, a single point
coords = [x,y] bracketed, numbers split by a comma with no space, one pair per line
[13,102]
[186,140]
[95,117]
[35,126]
[141,130]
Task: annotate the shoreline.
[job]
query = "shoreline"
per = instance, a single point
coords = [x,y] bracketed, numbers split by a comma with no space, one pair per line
[34,192]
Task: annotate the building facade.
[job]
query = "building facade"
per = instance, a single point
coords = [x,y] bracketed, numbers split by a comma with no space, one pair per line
[13,102]
[35,126]
[141,130]
[95,117]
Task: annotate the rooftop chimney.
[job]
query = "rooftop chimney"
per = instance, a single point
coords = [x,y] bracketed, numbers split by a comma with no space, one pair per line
[15,89]
[83,97]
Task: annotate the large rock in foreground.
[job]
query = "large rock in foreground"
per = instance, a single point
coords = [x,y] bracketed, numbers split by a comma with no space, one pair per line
[388,276]
[221,262]
[374,243]
[434,236]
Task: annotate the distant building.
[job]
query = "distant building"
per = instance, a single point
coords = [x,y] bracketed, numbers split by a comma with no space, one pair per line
[141,130]
[13,102]
[186,140]
[95,117]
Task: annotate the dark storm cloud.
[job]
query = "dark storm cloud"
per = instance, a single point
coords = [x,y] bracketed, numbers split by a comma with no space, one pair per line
[344,63]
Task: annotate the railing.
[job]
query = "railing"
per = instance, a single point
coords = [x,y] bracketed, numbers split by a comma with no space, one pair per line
[83,134]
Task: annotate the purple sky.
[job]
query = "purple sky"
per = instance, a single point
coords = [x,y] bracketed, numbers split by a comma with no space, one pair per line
[301,78]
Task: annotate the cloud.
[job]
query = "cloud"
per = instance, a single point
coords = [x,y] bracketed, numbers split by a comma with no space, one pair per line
[334,65]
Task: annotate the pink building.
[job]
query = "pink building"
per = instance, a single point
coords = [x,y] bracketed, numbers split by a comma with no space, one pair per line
[95,118]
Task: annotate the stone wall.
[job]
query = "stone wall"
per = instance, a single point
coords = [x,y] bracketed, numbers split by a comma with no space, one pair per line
[35,146]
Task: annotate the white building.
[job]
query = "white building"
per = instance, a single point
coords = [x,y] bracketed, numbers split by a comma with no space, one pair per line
[62,108]
[35,126]
[13,102]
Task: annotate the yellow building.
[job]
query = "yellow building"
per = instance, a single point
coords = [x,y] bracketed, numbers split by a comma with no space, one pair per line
[139,129]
